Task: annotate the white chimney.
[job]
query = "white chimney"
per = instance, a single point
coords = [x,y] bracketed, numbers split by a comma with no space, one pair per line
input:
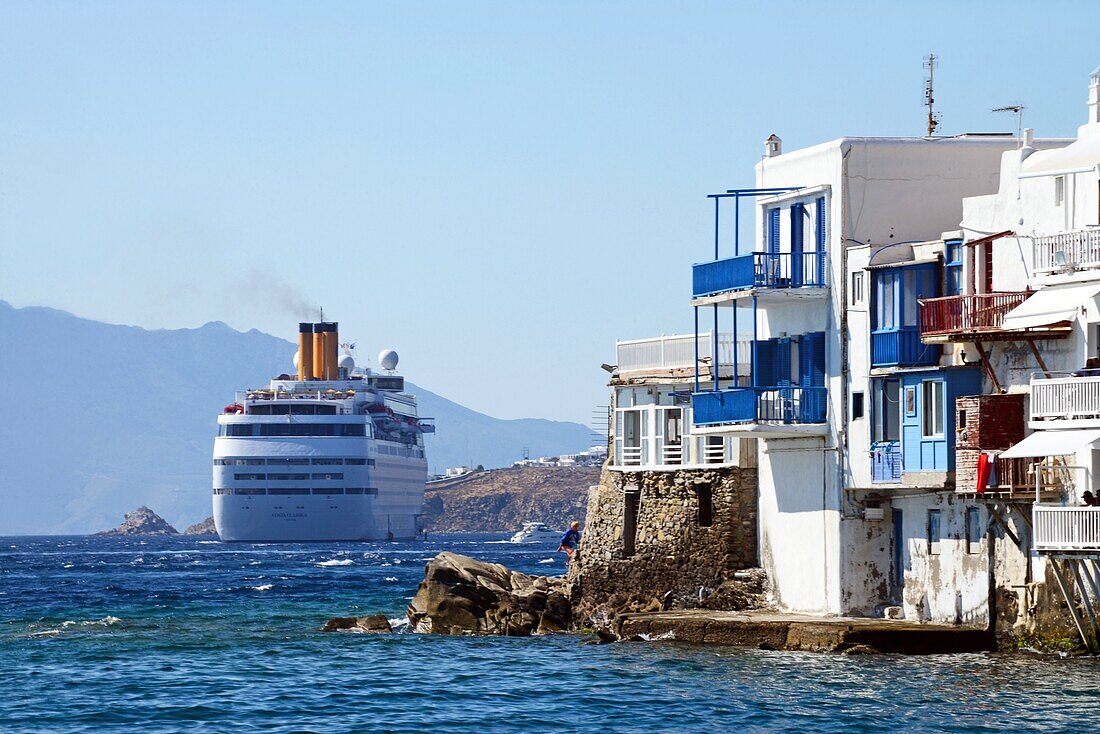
[773,146]
[1094,96]
[1027,146]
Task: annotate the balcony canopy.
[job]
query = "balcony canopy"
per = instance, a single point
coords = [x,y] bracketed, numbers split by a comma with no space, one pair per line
[1053,443]
[1049,306]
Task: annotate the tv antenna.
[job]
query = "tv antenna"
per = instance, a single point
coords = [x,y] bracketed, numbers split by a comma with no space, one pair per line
[930,63]
[1017,109]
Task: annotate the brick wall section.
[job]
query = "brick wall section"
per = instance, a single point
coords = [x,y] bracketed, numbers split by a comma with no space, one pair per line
[672,551]
[993,423]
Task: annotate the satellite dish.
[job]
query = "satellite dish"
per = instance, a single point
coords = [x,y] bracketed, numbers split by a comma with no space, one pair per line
[347,363]
[388,359]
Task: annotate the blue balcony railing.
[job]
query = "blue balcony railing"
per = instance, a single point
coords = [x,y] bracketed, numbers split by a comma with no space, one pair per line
[886,461]
[902,348]
[759,405]
[759,270]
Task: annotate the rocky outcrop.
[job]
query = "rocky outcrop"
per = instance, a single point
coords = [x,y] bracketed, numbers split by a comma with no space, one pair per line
[206,527]
[460,595]
[371,624]
[501,500]
[142,521]
[670,540]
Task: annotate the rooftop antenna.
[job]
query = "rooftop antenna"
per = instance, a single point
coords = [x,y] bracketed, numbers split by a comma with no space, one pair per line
[929,95]
[1017,109]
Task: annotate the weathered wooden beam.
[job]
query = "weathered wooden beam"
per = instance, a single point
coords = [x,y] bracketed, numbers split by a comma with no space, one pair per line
[988,367]
[1038,357]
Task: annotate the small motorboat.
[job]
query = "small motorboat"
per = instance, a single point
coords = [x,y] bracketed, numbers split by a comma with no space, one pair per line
[536,532]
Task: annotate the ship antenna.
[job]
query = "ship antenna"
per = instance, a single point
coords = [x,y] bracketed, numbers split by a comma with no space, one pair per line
[929,94]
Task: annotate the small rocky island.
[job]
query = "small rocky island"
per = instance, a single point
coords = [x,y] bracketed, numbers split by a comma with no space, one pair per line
[142,521]
[206,527]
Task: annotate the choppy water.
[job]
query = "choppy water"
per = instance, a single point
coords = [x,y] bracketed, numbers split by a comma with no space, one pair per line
[180,635]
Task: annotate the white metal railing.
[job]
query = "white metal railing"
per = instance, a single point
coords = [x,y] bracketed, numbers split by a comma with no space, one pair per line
[714,453]
[1077,249]
[1066,528]
[676,351]
[672,454]
[632,455]
[1065,397]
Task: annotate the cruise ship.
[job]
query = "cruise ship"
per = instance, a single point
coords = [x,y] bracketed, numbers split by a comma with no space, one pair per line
[330,453]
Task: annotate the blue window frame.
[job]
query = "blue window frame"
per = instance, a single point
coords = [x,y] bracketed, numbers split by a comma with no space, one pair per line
[895,326]
[952,267]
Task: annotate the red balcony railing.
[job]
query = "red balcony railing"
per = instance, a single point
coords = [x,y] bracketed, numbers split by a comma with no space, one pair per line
[971,313]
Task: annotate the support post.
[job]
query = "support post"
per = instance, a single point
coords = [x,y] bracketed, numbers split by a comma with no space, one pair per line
[737,224]
[1073,612]
[696,310]
[714,348]
[716,201]
[736,371]
[1074,566]
[752,368]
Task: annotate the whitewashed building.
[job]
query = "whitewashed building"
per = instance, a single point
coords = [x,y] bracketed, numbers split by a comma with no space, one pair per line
[853,415]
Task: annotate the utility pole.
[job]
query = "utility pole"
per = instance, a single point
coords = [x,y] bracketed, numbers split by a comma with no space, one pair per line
[929,94]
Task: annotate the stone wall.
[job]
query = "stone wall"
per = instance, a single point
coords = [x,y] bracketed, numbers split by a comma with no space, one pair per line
[677,548]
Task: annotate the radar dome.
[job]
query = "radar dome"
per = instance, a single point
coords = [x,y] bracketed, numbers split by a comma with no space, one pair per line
[388,359]
[347,363]
[295,360]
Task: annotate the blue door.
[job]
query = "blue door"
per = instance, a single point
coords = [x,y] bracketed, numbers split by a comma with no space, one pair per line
[798,214]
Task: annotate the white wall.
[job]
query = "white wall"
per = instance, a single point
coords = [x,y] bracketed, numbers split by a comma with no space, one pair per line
[798,524]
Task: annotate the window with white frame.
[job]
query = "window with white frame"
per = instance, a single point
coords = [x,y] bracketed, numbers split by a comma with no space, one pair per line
[858,292]
[932,405]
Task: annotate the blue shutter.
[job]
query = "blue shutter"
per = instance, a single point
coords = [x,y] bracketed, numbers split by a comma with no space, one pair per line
[765,373]
[773,231]
[820,240]
[811,366]
[782,362]
[798,212]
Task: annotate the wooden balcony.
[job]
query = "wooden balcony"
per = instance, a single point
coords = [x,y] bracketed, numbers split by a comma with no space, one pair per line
[975,316]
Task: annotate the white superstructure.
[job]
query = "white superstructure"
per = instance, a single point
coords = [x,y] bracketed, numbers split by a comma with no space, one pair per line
[327,454]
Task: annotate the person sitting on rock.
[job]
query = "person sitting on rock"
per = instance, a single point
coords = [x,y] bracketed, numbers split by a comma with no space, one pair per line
[571,540]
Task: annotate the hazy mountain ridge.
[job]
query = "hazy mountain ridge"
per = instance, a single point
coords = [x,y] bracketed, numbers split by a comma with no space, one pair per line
[102,418]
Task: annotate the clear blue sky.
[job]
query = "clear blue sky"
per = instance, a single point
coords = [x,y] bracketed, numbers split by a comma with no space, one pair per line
[499,190]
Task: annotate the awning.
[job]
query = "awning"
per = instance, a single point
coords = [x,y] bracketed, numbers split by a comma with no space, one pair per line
[1050,305]
[1080,156]
[1053,443]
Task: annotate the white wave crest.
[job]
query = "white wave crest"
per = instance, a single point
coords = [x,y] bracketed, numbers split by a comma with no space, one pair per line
[336,562]
[400,624]
[668,635]
[68,565]
[263,587]
[547,560]
[390,579]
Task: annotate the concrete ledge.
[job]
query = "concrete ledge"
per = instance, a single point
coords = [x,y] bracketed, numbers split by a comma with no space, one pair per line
[771,630]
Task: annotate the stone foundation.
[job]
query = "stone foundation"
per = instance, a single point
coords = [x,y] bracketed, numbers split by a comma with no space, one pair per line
[668,539]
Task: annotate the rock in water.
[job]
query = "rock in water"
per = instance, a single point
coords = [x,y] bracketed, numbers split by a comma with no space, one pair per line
[372,624]
[460,595]
[206,527]
[142,521]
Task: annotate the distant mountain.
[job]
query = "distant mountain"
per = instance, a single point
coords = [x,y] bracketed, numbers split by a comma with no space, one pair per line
[100,418]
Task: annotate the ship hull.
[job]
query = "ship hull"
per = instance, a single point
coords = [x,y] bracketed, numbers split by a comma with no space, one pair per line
[310,518]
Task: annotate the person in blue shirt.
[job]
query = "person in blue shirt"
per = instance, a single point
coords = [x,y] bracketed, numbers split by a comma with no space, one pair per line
[571,540]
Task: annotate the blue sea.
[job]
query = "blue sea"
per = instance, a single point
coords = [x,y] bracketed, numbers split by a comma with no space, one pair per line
[191,635]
